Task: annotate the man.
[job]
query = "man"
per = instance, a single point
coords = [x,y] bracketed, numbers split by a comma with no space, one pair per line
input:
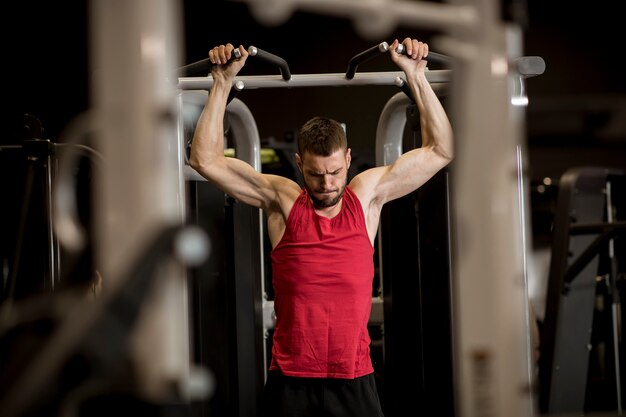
[322,239]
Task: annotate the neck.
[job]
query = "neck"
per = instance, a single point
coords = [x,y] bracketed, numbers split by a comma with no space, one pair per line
[329,212]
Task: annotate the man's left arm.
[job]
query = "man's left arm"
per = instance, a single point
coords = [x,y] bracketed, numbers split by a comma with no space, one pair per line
[414,168]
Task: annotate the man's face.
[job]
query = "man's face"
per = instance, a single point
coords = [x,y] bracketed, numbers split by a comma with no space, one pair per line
[325,177]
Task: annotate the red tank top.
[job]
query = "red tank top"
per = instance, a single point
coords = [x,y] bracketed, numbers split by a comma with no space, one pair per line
[322,277]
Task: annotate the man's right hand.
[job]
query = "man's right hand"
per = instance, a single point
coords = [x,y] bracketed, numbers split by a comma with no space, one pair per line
[225,66]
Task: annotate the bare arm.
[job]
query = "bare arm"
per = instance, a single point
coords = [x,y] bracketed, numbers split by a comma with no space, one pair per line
[411,170]
[233,176]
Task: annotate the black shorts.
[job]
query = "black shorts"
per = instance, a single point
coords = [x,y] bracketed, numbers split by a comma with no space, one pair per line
[286,396]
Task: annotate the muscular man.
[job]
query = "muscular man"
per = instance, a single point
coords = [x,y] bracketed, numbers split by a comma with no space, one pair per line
[322,239]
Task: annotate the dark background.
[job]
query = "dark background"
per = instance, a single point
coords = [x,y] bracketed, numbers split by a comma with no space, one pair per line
[576,109]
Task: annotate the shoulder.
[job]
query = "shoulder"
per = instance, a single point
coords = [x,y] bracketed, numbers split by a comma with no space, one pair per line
[283,187]
[365,186]
[285,193]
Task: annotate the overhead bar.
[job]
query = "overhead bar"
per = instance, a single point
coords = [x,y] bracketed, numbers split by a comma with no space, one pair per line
[313,80]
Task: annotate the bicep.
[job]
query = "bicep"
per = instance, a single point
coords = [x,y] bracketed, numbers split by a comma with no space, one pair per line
[241,181]
[409,172]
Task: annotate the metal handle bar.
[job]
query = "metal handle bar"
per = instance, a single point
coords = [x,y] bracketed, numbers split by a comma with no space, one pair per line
[380,49]
[366,55]
[205,64]
[272,59]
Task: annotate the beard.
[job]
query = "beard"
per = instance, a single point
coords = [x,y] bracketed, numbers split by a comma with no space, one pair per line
[327,201]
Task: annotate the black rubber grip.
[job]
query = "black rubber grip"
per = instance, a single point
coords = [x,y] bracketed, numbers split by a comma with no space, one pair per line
[271,59]
[366,55]
[402,85]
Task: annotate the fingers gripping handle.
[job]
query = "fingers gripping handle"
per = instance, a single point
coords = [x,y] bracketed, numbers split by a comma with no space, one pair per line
[432,56]
[202,66]
[380,49]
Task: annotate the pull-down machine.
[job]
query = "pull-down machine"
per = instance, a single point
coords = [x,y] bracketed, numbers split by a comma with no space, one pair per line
[248,334]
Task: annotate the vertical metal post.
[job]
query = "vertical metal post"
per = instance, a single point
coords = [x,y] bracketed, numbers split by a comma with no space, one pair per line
[135,46]
[616,302]
[54,252]
[491,308]
[389,134]
[249,270]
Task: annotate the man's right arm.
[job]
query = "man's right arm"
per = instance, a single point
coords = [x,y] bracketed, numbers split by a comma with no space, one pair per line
[233,176]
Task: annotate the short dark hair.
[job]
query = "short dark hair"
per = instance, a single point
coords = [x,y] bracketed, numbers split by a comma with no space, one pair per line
[322,136]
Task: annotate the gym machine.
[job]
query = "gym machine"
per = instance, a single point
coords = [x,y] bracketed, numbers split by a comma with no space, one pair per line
[250,283]
[581,363]
[251,286]
[415,265]
[252,327]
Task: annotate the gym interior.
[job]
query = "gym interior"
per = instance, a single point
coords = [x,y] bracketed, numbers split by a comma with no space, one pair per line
[131,284]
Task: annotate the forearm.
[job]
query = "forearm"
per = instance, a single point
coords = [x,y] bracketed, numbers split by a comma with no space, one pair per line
[435,126]
[208,138]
